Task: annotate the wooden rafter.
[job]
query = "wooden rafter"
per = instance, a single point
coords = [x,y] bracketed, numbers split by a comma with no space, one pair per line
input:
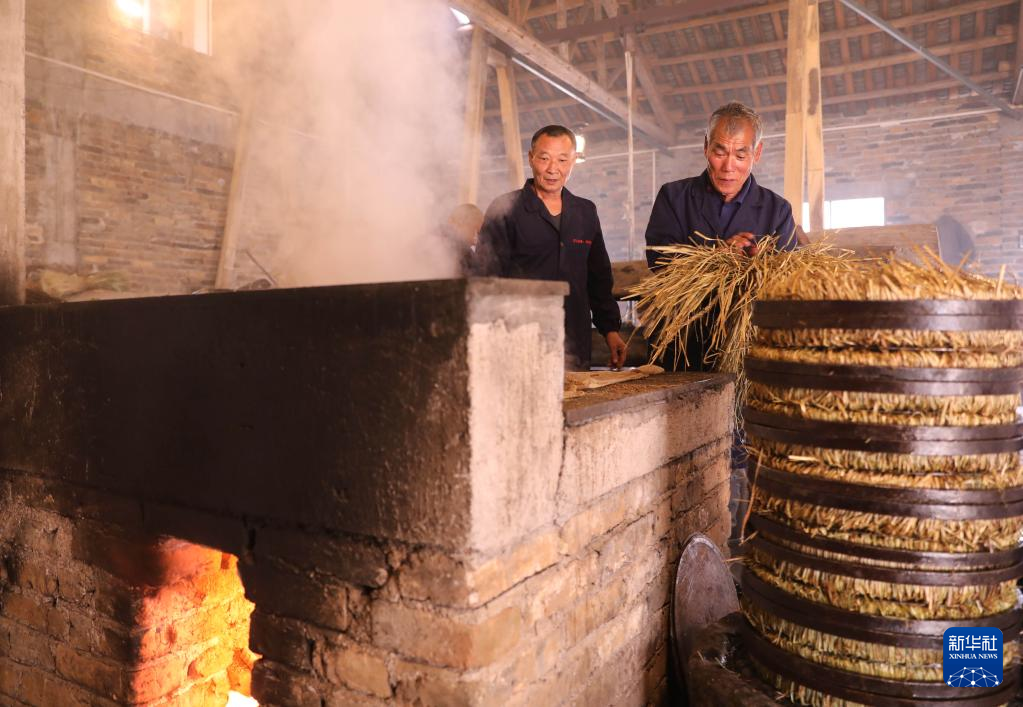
[857,31]
[933,58]
[472,140]
[867,66]
[908,91]
[1017,94]
[637,21]
[542,61]
[643,73]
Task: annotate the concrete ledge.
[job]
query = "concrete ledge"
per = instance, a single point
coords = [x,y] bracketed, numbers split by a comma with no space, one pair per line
[631,428]
[632,395]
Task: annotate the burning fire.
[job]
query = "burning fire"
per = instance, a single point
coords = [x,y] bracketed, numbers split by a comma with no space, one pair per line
[237,699]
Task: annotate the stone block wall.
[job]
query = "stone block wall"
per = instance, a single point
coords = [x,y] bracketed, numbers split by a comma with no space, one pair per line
[543,579]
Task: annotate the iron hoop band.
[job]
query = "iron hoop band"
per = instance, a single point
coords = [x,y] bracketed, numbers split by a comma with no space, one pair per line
[873,691]
[926,634]
[887,574]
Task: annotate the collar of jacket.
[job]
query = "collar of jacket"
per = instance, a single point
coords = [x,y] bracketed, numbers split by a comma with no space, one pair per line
[532,202]
[754,196]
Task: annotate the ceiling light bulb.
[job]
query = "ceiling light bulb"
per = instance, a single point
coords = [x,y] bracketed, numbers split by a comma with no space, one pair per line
[580,144]
[132,8]
[462,18]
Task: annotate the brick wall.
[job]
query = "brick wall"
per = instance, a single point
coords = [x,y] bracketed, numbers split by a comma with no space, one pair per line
[118,179]
[513,549]
[968,167]
[95,612]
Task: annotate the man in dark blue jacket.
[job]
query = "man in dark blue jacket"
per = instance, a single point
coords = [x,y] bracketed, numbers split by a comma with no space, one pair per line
[722,205]
[544,232]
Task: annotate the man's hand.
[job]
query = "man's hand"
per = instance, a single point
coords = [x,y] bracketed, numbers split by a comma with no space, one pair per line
[745,242]
[616,345]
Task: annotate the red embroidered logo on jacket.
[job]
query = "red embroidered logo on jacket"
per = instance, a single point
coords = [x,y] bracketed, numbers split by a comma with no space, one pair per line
[578,241]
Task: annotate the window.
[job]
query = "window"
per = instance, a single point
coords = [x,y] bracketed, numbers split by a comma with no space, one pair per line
[850,213]
[185,22]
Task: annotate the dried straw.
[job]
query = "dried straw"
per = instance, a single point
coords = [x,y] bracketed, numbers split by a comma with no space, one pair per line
[867,596]
[891,280]
[713,288]
[884,408]
[898,532]
[965,471]
[893,341]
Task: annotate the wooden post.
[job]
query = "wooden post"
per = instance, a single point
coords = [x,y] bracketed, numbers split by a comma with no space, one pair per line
[795,108]
[1017,94]
[12,151]
[814,120]
[561,21]
[235,200]
[468,191]
[510,120]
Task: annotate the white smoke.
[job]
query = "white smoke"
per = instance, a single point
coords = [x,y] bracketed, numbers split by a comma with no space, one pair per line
[350,169]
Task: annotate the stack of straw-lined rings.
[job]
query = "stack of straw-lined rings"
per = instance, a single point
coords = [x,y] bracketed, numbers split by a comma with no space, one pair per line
[888,495]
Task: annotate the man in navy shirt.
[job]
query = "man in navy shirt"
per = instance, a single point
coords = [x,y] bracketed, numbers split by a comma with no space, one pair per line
[723,205]
[544,232]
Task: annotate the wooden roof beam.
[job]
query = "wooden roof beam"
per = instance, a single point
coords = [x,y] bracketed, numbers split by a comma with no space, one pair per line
[532,55]
[865,65]
[939,85]
[1017,95]
[991,98]
[833,35]
[641,19]
[643,72]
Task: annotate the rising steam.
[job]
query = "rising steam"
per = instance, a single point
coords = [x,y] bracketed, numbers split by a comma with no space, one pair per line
[350,168]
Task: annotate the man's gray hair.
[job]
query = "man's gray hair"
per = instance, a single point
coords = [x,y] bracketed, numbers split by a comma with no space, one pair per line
[734,114]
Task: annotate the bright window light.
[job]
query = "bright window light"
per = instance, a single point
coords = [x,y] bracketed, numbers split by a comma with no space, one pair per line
[580,144]
[462,18]
[132,8]
[850,213]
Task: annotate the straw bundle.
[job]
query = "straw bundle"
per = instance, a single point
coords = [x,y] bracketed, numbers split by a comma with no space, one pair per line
[979,471]
[826,535]
[884,530]
[713,288]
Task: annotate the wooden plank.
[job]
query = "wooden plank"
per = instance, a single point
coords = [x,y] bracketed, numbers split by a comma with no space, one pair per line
[989,77]
[843,44]
[600,49]
[775,9]
[12,152]
[510,125]
[1017,94]
[472,139]
[795,107]
[569,78]
[1019,37]
[864,29]
[898,36]
[904,57]
[653,94]
[814,120]
[562,23]
[235,199]
[642,18]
